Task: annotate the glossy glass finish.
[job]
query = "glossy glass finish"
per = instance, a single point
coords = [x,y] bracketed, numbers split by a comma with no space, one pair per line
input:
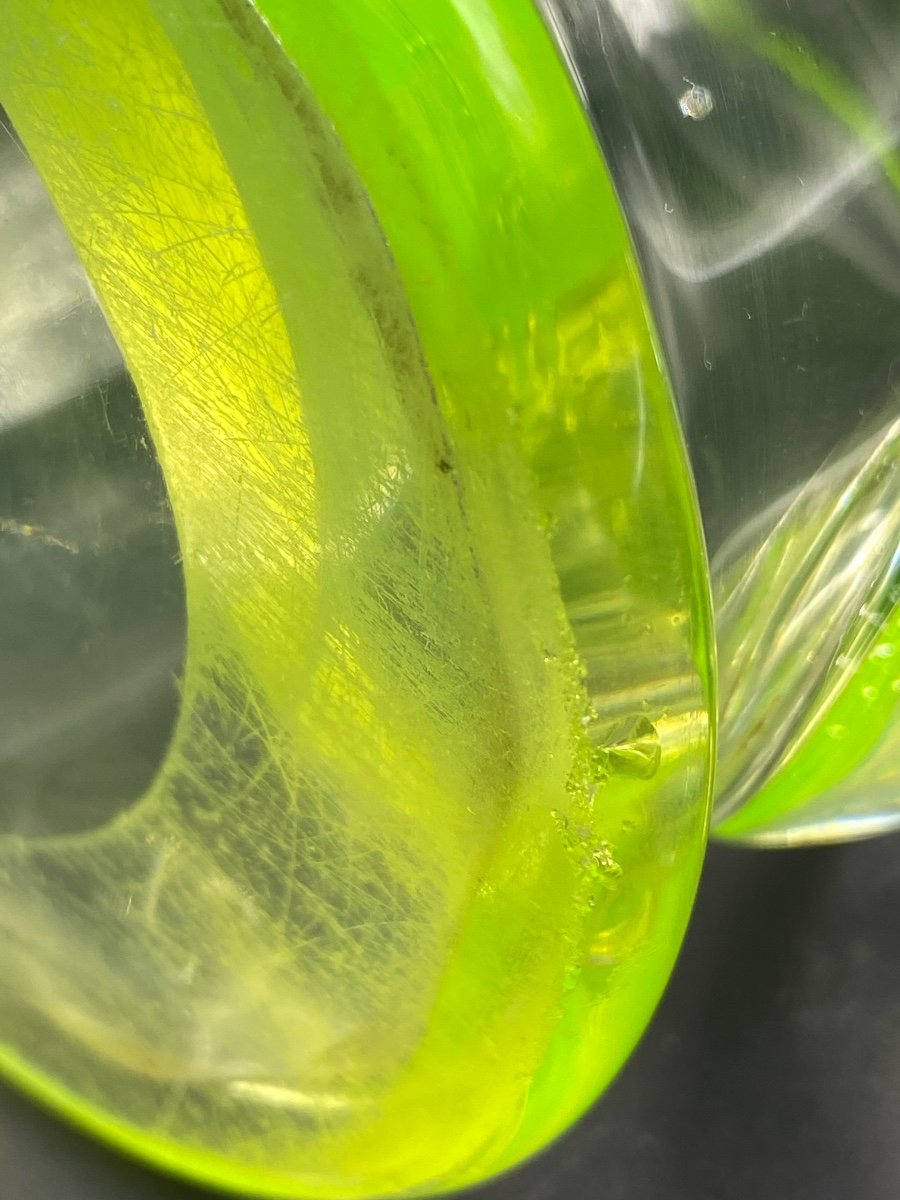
[754,147]
[398,896]
[92,620]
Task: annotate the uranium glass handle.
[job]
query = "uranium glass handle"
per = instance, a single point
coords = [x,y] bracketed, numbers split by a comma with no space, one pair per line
[356,775]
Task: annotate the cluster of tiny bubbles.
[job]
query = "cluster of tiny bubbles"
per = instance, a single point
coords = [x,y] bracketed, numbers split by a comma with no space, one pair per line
[623,746]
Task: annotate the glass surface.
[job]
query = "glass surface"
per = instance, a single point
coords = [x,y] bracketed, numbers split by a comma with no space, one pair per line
[392,575]
[92,620]
[754,147]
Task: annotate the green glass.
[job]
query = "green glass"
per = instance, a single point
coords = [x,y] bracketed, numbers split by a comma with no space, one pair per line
[412,871]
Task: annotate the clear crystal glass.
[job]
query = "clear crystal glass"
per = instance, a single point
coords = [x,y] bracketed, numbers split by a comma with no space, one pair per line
[754,148]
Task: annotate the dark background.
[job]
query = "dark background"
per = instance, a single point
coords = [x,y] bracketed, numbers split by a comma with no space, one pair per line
[771,1070]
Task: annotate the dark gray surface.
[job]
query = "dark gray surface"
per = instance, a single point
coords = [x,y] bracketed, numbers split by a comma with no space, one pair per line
[772,1069]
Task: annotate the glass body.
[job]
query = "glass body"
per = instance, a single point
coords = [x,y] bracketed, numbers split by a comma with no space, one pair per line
[754,148]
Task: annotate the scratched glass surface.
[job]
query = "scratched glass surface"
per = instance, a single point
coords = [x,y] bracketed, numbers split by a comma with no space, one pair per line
[354,671]
[754,146]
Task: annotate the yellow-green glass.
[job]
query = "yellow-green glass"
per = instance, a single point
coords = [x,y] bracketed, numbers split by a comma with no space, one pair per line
[415,868]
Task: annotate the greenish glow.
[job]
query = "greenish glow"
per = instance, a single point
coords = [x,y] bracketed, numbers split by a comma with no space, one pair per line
[848,751]
[416,868]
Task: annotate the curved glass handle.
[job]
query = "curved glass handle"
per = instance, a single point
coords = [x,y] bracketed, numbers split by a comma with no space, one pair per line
[398,868]
[756,159]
